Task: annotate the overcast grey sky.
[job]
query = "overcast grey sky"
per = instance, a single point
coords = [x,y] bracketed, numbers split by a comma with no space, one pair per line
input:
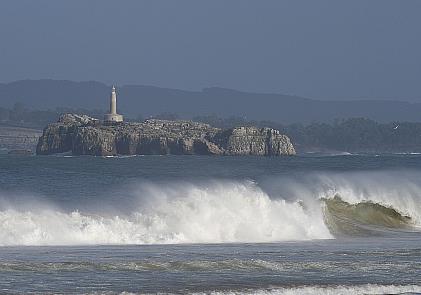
[316,48]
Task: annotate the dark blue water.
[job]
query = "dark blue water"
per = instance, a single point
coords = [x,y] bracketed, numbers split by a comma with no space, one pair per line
[186,224]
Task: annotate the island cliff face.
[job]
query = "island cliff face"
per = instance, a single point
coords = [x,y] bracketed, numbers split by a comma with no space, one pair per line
[83,135]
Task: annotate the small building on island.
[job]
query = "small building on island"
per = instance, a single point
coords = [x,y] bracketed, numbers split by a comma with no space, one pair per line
[112,116]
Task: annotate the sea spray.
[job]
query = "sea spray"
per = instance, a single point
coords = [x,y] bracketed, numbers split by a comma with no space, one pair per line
[217,213]
[221,211]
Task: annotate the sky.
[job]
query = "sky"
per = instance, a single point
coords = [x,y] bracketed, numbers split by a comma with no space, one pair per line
[319,49]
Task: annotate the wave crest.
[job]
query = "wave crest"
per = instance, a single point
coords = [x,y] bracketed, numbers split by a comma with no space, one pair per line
[362,218]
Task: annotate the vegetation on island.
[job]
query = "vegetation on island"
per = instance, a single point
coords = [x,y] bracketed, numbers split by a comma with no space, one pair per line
[347,135]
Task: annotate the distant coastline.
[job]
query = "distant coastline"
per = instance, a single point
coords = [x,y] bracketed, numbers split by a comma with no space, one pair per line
[313,126]
[146,101]
[356,135]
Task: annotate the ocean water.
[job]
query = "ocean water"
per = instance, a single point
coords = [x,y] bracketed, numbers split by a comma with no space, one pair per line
[345,224]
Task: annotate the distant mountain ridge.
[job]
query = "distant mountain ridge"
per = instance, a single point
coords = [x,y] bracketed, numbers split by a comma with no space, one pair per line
[149,100]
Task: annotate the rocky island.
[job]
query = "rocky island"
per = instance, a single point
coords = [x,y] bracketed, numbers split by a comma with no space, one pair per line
[83,135]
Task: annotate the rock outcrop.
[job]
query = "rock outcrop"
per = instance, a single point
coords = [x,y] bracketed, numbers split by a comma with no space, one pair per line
[82,135]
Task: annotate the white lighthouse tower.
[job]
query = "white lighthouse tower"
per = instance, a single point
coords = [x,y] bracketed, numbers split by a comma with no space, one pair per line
[112,116]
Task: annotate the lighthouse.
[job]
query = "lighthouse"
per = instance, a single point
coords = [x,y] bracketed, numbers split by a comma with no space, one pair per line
[112,116]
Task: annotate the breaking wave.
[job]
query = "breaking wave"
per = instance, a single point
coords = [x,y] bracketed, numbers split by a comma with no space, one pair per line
[280,209]
[366,217]
[216,213]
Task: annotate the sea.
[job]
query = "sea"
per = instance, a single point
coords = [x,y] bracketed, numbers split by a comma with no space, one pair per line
[307,224]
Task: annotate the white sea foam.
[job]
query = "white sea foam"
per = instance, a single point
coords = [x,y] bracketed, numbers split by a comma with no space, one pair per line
[342,290]
[214,213]
[315,290]
[279,209]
